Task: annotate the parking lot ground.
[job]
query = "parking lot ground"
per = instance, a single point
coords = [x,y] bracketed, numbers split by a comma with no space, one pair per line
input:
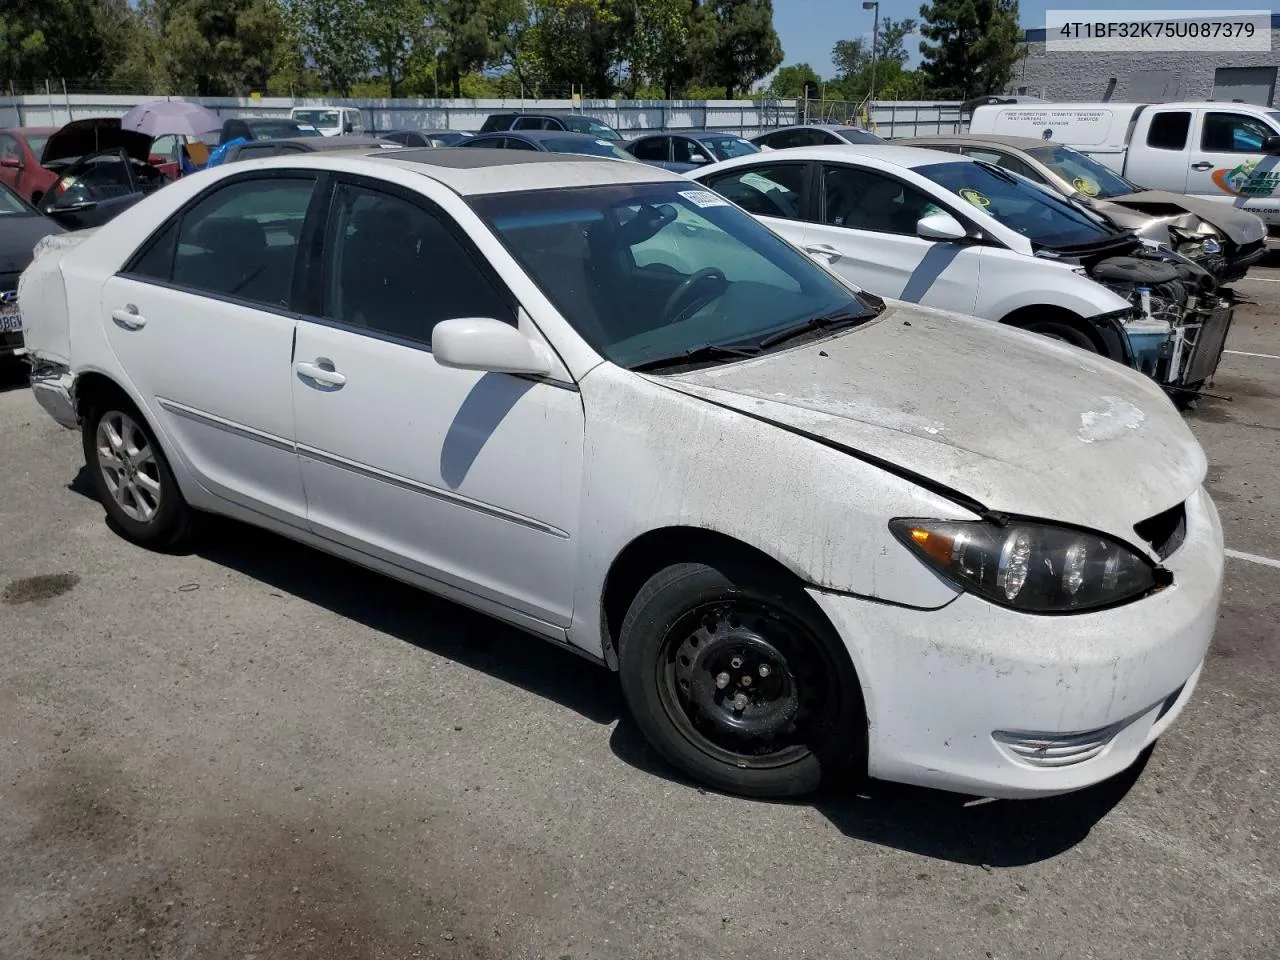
[256,751]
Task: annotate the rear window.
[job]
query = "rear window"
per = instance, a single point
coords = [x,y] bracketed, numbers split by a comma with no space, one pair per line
[594,148]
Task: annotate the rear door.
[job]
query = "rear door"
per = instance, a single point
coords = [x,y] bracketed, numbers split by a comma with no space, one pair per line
[201,317]
[654,150]
[866,232]
[774,193]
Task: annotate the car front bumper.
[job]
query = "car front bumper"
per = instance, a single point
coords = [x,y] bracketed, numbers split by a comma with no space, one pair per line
[983,700]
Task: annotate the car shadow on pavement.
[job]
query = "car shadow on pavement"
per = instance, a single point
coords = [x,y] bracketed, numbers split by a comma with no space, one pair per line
[932,823]
[399,610]
[13,374]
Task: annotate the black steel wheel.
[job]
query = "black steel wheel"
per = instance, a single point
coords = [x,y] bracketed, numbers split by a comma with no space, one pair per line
[740,684]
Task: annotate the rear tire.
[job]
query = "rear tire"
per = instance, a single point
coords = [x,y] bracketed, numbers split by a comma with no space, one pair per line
[740,682]
[132,477]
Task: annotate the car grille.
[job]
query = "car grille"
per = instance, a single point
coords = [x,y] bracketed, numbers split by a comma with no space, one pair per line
[1165,531]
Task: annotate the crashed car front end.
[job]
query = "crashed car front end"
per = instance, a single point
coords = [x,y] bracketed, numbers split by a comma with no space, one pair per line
[1225,242]
[1179,321]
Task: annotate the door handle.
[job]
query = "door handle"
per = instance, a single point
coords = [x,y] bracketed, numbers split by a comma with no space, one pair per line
[321,371]
[129,317]
[823,250]
[1202,165]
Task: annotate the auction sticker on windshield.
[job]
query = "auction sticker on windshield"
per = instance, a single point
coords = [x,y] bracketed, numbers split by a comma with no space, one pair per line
[1086,186]
[704,198]
[974,197]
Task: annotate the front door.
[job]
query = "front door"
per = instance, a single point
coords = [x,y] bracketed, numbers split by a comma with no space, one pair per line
[471,479]
[201,318]
[1227,162]
[866,232]
[772,192]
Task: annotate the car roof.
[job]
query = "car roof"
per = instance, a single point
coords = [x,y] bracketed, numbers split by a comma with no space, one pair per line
[812,126]
[1016,143]
[886,153]
[544,134]
[477,170]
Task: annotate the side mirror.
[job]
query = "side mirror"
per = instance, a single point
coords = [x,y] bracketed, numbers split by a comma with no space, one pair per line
[480,343]
[1271,146]
[698,158]
[940,226]
[12,163]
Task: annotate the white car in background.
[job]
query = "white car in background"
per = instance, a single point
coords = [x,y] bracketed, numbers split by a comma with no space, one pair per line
[958,234]
[818,535]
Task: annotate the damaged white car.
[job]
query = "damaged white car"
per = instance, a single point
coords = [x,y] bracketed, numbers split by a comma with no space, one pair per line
[959,234]
[818,535]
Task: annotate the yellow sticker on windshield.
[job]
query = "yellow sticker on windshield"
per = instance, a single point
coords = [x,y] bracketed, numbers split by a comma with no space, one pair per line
[1086,186]
[974,197]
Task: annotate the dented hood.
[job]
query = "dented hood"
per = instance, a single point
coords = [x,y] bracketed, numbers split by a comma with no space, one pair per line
[1018,423]
[1239,226]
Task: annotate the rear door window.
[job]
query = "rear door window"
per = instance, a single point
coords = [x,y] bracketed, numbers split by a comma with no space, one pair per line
[1168,130]
[241,241]
[653,149]
[769,190]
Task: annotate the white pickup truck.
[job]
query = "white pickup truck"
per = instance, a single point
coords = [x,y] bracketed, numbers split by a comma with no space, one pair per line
[1223,151]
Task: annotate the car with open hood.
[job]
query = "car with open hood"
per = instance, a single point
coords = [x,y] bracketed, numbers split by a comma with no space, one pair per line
[819,535]
[101,169]
[1223,239]
[964,235]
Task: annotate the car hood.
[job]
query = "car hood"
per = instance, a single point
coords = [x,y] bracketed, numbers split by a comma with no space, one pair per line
[81,137]
[18,237]
[1017,423]
[1240,226]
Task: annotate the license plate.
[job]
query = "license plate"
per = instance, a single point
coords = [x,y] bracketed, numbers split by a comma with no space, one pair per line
[10,318]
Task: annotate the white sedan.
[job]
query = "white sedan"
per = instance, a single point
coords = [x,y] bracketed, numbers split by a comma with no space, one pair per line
[951,232]
[818,536]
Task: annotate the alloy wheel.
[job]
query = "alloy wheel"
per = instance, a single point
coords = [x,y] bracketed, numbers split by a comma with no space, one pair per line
[128,465]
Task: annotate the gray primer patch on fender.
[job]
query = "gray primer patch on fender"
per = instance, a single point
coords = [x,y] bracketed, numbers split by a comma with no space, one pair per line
[1111,421]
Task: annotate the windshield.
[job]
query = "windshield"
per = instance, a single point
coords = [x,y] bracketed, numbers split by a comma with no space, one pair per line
[856,135]
[1083,172]
[281,129]
[726,148]
[594,127]
[648,271]
[594,148]
[327,119]
[1044,219]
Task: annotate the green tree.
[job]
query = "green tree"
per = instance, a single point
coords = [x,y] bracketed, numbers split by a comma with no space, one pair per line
[970,47]
[395,30]
[50,40]
[575,42]
[889,42]
[474,34]
[850,56]
[733,43]
[219,47]
[334,37]
[658,38]
[795,81]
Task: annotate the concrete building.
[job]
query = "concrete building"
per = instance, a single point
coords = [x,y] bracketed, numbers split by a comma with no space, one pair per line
[1144,77]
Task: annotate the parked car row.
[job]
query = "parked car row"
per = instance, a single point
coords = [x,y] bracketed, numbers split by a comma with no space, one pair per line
[661,422]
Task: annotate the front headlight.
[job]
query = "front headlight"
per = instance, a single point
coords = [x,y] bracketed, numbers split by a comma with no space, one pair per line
[1030,566]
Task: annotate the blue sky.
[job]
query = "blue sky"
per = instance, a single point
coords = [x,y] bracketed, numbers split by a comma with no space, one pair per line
[809,28]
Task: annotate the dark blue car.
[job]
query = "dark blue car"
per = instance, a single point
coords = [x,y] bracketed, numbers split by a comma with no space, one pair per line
[687,151]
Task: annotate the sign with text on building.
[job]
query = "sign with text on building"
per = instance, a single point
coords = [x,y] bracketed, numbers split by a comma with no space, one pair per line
[1189,31]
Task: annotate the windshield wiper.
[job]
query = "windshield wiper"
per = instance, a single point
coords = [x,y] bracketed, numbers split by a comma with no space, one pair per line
[999,172]
[842,318]
[700,354]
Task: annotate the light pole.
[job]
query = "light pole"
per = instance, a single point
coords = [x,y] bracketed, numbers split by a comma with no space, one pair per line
[875,51]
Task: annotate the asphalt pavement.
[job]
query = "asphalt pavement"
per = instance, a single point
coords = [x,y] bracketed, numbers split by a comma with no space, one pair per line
[256,752]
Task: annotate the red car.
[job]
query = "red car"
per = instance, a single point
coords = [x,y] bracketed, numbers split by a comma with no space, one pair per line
[20,170]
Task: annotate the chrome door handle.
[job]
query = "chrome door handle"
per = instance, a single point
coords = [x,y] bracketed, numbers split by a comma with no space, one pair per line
[823,250]
[321,371]
[129,317]
[1202,165]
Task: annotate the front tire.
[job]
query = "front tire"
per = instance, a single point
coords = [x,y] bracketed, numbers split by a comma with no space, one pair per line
[131,476]
[1065,332]
[740,683]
